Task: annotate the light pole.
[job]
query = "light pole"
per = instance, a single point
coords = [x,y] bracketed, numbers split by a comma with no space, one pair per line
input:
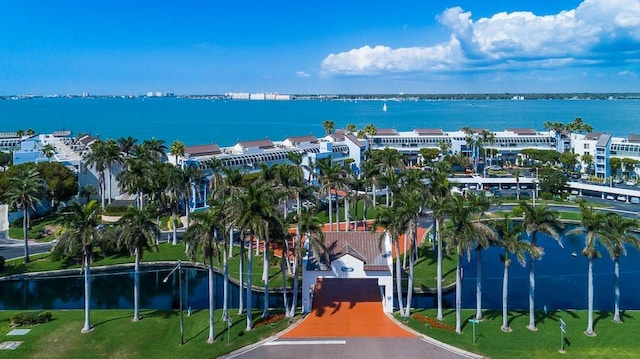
[178,267]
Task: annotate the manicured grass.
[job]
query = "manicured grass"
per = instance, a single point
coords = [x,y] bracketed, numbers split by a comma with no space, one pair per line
[42,229]
[425,270]
[613,340]
[114,335]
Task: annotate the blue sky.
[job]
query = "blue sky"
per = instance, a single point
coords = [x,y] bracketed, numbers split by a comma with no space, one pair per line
[319,47]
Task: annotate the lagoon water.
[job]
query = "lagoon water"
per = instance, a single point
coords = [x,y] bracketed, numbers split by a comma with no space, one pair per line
[225,121]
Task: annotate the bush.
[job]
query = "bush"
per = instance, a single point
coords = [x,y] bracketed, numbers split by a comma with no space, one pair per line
[115,210]
[30,318]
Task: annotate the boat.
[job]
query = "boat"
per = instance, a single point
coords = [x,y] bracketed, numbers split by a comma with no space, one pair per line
[384,107]
[574,254]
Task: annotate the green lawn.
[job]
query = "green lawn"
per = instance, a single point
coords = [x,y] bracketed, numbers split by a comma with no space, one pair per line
[42,229]
[612,341]
[114,335]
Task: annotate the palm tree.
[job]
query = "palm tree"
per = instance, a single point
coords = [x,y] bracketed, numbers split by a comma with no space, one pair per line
[97,159]
[619,232]
[538,219]
[135,177]
[139,233]
[202,238]
[48,151]
[177,149]
[440,194]
[252,210]
[156,148]
[517,175]
[463,235]
[311,226]
[87,191]
[510,238]
[328,126]
[591,225]
[25,190]
[126,145]
[81,233]
[480,204]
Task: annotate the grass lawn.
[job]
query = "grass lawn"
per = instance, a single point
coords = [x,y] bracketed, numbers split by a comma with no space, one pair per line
[425,269]
[612,341]
[114,335]
[42,229]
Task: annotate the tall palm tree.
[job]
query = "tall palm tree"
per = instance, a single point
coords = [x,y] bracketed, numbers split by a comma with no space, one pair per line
[591,226]
[139,231]
[620,231]
[479,204]
[135,177]
[25,190]
[328,126]
[538,219]
[111,153]
[177,149]
[463,235]
[126,145]
[48,151]
[96,159]
[156,148]
[203,240]
[510,238]
[311,226]
[81,233]
[252,210]
[174,190]
[438,202]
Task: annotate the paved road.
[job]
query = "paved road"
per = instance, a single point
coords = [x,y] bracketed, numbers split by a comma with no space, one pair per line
[10,248]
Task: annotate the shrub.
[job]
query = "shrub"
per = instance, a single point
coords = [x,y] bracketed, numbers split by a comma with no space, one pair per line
[30,318]
[115,210]
[432,322]
[270,320]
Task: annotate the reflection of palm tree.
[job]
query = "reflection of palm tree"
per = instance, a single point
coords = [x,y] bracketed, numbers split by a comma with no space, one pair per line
[81,231]
[203,241]
[139,232]
[25,190]
[538,219]
[619,232]
[510,234]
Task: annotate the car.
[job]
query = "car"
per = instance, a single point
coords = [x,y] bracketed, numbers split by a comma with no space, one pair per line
[622,198]
[617,180]
[610,197]
[472,186]
[514,187]
[634,200]
[630,183]
[575,176]
[584,176]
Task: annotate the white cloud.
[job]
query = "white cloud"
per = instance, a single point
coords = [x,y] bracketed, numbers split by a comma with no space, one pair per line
[595,33]
[302,74]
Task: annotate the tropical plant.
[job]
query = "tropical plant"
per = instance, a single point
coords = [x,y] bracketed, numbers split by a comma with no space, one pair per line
[48,151]
[311,226]
[81,233]
[203,240]
[619,232]
[25,191]
[510,238]
[328,126]
[537,220]
[177,150]
[139,231]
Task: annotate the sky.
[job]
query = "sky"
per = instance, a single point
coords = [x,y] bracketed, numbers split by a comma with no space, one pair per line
[319,47]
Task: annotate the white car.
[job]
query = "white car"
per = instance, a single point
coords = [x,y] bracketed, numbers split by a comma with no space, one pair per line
[610,197]
[622,198]
[630,183]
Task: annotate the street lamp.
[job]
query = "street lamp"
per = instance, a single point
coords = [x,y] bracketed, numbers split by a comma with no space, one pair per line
[178,267]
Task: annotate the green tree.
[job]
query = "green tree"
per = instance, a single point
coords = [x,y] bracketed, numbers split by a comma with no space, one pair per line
[309,224]
[429,154]
[177,149]
[551,180]
[126,145]
[510,238]
[139,232]
[61,182]
[6,158]
[538,219]
[48,151]
[351,128]
[463,234]
[619,232]
[97,159]
[81,233]
[328,126]
[25,191]
[615,164]
[203,241]
[587,159]
[569,161]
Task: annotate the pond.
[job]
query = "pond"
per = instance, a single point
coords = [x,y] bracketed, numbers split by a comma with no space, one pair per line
[114,290]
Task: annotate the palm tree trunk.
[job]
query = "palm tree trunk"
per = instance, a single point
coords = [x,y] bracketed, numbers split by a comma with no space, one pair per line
[265,275]
[102,189]
[330,212]
[373,188]
[589,330]
[478,284]
[410,281]
[505,292]
[458,296]
[186,210]
[399,279]
[532,290]
[241,273]
[25,227]
[285,300]
[616,302]
[225,283]
[250,287]
[110,185]
[346,215]
[212,300]
[439,271]
[87,294]
[337,213]
[296,275]
[364,216]
[136,287]
[231,242]
[388,199]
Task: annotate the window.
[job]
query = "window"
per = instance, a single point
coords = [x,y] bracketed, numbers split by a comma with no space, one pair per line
[586,146]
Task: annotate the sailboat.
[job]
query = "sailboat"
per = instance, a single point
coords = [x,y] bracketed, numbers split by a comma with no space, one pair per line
[384,107]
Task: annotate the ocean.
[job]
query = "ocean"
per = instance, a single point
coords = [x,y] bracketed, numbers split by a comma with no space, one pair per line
[198,121]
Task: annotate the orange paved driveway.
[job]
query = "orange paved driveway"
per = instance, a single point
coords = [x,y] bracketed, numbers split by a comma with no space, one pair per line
[347,308]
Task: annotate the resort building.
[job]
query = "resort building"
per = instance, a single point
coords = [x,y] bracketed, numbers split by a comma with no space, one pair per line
[349,255]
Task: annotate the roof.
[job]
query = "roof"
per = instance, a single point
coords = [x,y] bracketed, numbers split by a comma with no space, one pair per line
[592,135]
[300,139]
[633,138]
[62,133]
[9,135]
[428,131]
[522,131]
[386,132]
[354,139]
[266,143]
[202,150]
[364,246]
[603,140]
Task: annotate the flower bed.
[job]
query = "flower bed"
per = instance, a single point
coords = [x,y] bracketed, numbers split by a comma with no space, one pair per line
[270,320]
[432,322]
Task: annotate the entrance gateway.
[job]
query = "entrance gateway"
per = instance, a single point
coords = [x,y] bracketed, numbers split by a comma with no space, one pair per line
[358,259]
